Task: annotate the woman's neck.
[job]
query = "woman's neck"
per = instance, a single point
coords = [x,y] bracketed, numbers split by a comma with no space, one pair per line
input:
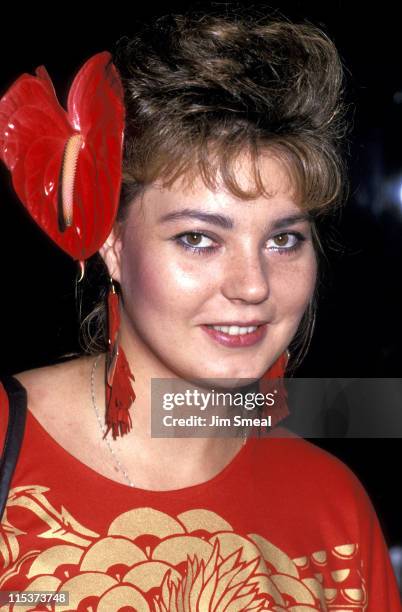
[157,462]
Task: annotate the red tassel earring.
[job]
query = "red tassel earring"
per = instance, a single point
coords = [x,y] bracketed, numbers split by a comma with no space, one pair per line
[119,392]
[272,382]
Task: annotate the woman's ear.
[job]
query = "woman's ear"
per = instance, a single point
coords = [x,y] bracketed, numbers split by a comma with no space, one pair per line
[110,252]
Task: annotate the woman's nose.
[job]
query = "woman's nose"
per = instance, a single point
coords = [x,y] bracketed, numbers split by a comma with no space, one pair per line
[246,278]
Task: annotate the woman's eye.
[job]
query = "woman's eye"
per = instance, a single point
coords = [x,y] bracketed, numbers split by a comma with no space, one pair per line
[196,239]
[288,241]
[196,242]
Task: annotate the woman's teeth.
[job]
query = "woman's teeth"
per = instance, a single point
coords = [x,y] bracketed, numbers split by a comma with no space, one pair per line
[233,330]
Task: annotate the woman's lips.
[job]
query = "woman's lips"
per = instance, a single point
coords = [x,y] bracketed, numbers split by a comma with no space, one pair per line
[237,340]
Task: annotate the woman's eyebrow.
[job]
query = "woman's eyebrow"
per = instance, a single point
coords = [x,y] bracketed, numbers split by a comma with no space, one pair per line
[226,222]
[191,213]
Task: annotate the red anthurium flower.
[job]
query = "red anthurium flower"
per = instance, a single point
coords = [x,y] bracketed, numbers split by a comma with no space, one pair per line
[66,166]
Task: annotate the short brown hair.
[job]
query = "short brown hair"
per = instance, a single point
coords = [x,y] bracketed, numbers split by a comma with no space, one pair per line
[200,90]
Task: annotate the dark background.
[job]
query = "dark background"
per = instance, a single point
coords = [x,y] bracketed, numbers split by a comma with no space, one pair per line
[359,329]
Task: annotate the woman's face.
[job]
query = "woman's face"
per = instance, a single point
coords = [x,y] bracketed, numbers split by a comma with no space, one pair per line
[189,258]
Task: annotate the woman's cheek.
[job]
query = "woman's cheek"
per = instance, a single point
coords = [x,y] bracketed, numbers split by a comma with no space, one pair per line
[161,283]
[297,287]
[187,275]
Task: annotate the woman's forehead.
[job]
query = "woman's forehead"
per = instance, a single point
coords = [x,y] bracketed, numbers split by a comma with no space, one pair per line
[195,201]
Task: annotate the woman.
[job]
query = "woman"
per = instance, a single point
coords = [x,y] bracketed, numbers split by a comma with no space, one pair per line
[231,147]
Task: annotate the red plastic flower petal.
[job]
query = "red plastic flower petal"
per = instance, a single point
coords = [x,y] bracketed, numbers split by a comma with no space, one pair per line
[34,133]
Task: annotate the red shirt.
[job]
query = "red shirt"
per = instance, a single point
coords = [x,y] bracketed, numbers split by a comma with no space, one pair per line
[284,526]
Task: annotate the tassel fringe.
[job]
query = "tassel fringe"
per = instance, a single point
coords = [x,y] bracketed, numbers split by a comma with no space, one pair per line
[119,397]
[273,382]
[119,392]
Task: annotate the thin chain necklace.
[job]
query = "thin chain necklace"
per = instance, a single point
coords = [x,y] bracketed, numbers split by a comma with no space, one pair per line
[119,466]
[102,428]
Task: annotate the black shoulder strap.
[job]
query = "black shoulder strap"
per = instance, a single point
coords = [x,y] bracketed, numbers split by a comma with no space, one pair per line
[17,400]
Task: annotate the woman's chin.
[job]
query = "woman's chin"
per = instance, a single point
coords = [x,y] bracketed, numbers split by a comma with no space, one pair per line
[224,379]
